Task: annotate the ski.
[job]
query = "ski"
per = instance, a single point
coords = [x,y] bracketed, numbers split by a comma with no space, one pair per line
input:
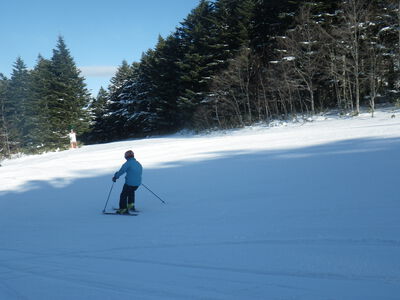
[132,211]
[114,213]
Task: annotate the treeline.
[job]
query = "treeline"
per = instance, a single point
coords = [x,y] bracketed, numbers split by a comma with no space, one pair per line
[39,107]
[230,63]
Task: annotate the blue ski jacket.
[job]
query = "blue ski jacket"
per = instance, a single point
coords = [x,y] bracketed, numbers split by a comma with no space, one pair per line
[133,170]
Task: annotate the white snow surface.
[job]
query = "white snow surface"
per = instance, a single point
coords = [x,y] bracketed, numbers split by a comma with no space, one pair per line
[296,211]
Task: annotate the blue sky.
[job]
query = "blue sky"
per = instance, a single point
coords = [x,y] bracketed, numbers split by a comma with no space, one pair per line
[99,34]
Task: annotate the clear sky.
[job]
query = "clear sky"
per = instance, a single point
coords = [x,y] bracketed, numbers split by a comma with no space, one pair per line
[99,33]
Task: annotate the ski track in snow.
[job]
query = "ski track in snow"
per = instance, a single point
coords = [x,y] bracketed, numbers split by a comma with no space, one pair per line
[297,211]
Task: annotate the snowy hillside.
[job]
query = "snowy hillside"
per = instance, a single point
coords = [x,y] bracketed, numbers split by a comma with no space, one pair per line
[297,211]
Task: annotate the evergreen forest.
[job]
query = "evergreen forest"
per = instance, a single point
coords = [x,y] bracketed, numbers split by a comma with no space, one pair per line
[228,64]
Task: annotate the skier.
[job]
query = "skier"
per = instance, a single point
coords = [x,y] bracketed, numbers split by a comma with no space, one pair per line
[133,180]
[72,138]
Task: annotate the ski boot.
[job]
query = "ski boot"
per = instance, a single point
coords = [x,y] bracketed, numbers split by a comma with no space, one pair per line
[131,207]
[122,211]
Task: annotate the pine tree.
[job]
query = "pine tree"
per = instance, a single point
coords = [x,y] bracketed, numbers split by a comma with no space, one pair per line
[168,84]
[42,79]
[161,73]
[97,130]
[69,96]
[117,82]
[116,111]
[141,90]
[4,137]
[386,41]
[271,18]
[234,22]
[98,104]
[197,34]
[17,100]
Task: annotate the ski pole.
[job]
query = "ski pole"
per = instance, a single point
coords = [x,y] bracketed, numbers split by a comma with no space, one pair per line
[154,194]
[108,197]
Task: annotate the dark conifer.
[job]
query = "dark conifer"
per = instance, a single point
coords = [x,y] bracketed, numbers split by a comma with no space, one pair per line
[41,82]
[98,132]
[115,113]
[197,35]
[16,103]
[69,96]
[5,150]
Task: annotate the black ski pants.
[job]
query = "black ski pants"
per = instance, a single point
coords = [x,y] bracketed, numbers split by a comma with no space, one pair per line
[128,193]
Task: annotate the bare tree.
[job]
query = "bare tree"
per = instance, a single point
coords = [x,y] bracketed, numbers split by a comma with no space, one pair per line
[351,38]
[285,88]
[303,52]
[231,91]
[374,77]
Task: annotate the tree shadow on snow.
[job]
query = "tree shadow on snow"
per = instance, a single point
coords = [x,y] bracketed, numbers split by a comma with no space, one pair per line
[347,168]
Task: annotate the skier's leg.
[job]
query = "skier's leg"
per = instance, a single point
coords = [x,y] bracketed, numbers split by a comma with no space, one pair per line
[124,195]
[131,197]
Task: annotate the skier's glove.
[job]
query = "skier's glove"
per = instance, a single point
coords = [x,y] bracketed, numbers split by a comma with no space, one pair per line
[114,179]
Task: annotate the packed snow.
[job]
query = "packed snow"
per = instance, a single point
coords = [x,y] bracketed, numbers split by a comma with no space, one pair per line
[299,210]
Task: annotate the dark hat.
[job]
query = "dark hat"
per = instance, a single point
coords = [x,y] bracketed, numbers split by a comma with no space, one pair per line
[129,154]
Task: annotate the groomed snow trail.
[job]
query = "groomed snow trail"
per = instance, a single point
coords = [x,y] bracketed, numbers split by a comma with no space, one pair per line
[298,211]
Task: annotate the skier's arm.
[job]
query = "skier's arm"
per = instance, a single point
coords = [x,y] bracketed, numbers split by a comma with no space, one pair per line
[121,171]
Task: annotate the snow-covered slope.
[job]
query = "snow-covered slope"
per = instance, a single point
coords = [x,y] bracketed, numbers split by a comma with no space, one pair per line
[302,211]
